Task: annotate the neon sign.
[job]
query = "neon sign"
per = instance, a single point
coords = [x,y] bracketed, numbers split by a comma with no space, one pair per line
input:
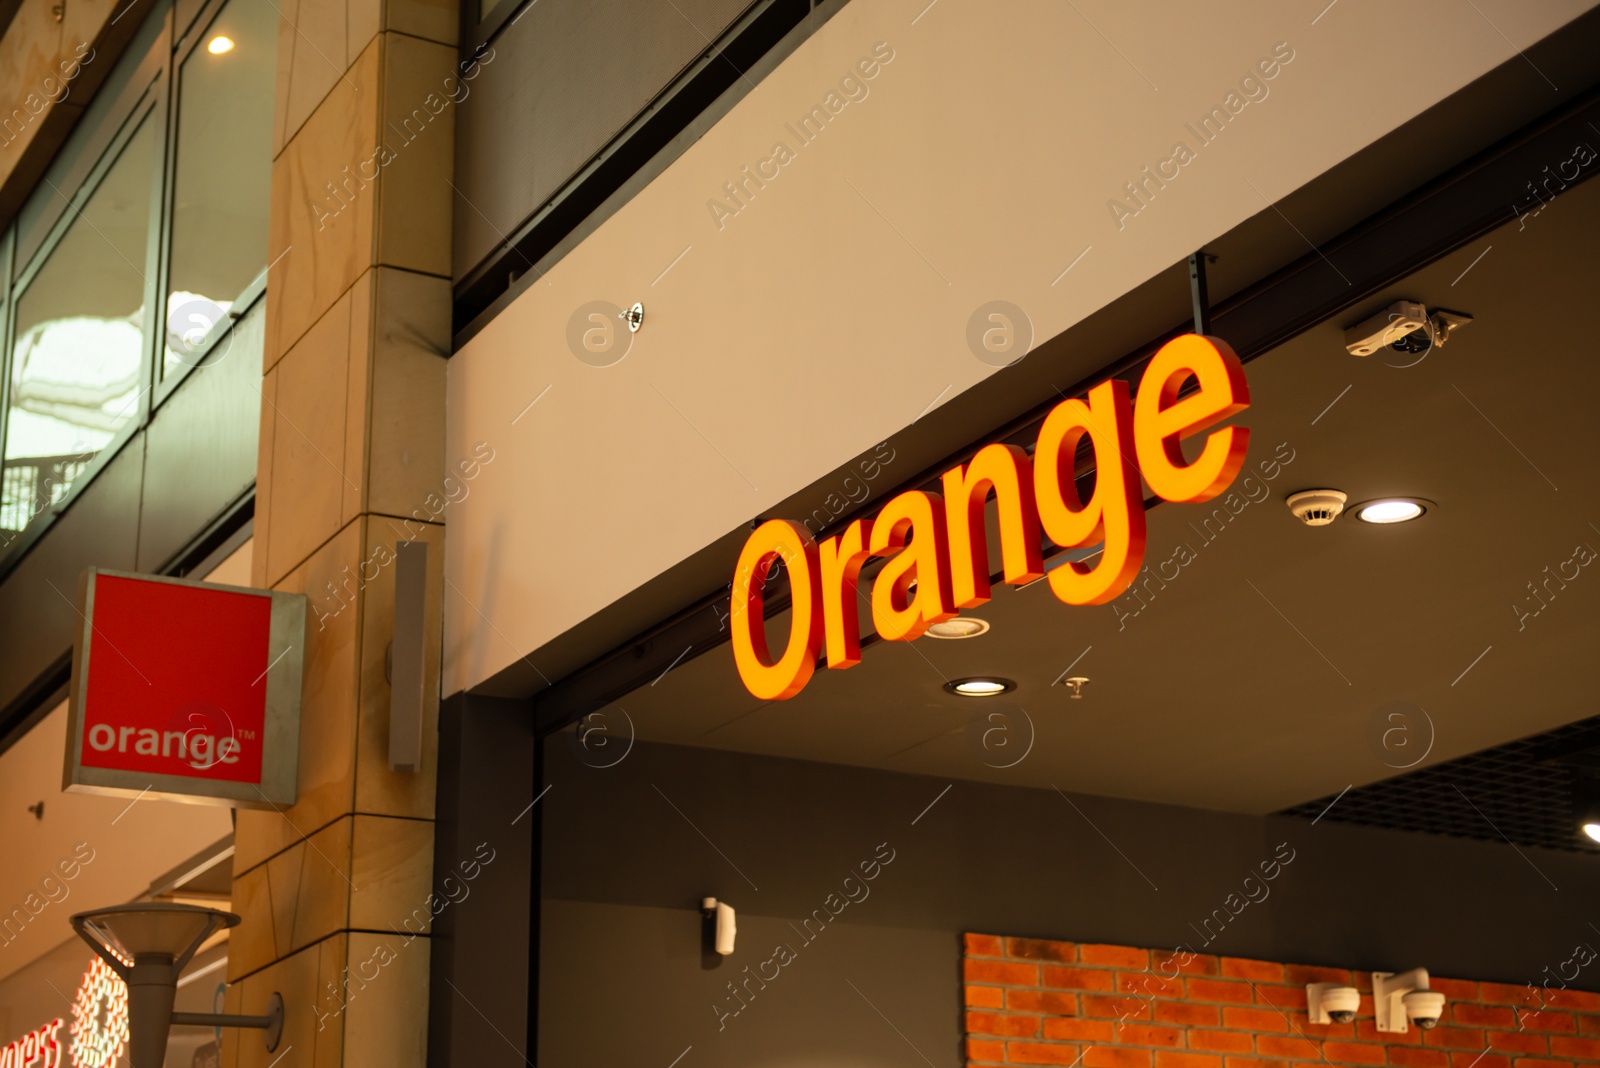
[99,1019]
[36,1046]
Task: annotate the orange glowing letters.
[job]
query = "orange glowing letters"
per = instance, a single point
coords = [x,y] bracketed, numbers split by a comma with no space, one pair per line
[898,614]
[1160,420]
[841,559]
[1114,513]
[936,550]
[768,679]
[1005,471]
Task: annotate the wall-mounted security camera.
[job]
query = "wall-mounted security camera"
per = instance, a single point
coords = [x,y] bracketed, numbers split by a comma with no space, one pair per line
[1397,999]
[1425,1007]
[721,917]
[1405,325]
[1330,1003]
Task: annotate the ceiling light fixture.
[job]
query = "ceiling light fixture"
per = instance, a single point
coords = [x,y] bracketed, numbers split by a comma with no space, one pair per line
[980,686]
[1389,510]
[1586,803]
[220,44]
[959,627]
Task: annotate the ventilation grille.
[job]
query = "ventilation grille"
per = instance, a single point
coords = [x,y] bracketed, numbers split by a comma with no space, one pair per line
[1519,792]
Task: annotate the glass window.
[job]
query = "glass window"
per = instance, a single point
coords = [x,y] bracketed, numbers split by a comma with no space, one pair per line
[76,356]
[224,167]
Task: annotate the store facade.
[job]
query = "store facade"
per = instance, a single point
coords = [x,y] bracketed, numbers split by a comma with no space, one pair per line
[859,455]
[1188,795]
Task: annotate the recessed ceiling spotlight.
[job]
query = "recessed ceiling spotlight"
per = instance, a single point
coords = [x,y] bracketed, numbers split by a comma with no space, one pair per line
[980,686]
[959,627]
[220,44]
[1388,510]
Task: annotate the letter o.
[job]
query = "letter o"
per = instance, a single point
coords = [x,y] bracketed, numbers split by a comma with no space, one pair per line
[110,736]
[768,679]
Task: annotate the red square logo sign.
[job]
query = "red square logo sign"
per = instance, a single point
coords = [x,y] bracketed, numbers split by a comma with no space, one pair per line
[176,680]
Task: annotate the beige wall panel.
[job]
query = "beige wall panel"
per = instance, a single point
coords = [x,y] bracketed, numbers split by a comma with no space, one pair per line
[308,459]
[832,310]
[322,220]
[128,844]
[328,704]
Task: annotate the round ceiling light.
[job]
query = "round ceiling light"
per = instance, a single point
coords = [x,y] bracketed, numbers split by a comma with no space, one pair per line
[1592,830]
[980,686]
[959,627]
[1389,510]
[220,44]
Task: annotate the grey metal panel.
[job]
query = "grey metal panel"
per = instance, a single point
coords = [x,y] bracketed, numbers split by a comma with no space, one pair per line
[485,866]
[37,616]
[202,445]
[560,81]
[406,693]
[626,859]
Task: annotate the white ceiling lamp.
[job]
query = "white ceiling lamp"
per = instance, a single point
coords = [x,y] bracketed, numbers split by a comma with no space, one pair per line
[980,686]
[1386,511]
[959,627]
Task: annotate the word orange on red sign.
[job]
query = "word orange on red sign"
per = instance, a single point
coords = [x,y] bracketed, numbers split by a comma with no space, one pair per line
[937,542]
[185,689]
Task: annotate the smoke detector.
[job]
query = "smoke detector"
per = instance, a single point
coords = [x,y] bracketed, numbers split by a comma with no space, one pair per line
[1316,508]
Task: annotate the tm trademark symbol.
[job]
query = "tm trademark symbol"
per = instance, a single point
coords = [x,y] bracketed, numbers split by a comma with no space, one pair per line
[250,735]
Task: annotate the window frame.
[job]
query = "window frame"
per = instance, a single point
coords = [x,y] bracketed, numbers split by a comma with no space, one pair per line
[168,384]
[150,95]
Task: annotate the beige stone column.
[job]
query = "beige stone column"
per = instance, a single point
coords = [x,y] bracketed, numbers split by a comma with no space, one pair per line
[334,889]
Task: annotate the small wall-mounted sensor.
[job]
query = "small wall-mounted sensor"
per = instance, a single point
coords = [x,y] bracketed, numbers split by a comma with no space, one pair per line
[1330,1003]
[724,923]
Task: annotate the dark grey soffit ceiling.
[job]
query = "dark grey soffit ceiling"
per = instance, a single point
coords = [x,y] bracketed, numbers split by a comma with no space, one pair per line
[1520,793]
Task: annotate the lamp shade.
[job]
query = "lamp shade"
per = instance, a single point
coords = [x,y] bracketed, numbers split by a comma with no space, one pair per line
[129,932]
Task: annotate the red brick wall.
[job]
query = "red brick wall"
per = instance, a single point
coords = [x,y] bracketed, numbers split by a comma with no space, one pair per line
[1030,1001]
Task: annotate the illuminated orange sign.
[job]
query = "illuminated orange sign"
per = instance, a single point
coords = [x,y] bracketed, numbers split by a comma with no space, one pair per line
[36,1049]
[935,545]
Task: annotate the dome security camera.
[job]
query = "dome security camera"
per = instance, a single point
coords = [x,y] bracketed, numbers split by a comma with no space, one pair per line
[1399,999]
[1329,1003]
[1424,1007]
[1404,326]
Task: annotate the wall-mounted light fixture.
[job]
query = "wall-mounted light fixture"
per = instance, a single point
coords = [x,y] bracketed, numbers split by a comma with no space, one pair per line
[148,945]
[720,917]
